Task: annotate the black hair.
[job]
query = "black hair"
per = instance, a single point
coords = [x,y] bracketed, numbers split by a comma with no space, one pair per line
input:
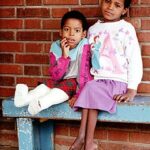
[75,15]
[127,3]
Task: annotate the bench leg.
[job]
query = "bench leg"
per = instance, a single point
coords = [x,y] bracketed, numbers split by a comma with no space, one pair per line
[33,135]
[25,134]
[46,130]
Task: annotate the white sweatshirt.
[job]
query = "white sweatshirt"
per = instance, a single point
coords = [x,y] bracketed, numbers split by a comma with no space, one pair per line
[116,52]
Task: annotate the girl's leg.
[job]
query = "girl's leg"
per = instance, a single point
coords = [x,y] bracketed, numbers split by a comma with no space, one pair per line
[53,97]
[91,124]
[79,141]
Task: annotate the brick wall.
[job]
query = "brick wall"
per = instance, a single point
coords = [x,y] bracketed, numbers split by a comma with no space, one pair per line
[27,28]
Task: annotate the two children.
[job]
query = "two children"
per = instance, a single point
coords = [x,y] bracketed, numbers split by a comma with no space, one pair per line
[69,68]
[116,67]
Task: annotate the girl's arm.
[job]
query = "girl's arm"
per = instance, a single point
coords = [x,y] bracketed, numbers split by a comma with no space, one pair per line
[135,68]
[58,67]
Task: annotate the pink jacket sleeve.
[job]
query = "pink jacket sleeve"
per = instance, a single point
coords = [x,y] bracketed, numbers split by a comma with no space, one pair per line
[58,67]
[84,73]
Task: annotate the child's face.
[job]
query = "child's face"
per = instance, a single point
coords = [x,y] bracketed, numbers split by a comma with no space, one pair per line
[73,32]
[112,10]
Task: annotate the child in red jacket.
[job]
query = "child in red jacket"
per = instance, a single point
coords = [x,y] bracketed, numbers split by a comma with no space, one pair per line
[69,68]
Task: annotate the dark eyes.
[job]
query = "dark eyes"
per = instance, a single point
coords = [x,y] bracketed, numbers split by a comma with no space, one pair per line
[75,30]
[66,29]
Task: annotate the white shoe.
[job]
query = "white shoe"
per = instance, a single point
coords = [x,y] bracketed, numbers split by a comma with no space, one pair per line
[55,96]
[21,93]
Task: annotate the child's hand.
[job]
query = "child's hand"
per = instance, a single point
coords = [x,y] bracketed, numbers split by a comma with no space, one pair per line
[72,101]
[65,47]
[125,97]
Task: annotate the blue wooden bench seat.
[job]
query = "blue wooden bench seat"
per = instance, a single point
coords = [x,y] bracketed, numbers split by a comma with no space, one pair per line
[33,135]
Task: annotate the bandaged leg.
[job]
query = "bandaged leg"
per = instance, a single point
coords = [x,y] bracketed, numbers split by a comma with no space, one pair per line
[27,97]
[39,91]
[21,93]
[55,96]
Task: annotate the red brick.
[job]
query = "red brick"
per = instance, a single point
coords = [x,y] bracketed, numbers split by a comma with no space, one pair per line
[33,2]
[7,12]
[59,12]
[34,47]
[140,12]
[146,50]
[145,2]
[11,69]
[143,36]
[135,22]
[144,88]
[51,24]
[63,141]
[101,134]
[116,135]
[146,62]
[56,36]
[11,24]
[32,70]
[7,125]
[58,2]
[145,24]
[9,138]
[32,59]
[6,92]
[90,11]
[47,47]
[45,70]
[34,36]
[11,47]
[89,2]
[61,129]
[122,146]
[33,12]
[6,35]
[74,130]
[33,24]
[6,58]
[146,75]
[11,2]
[30,81]
[135,1]
[139,137]
[7,81]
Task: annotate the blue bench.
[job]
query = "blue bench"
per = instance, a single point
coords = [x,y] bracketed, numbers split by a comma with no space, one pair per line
[33,135]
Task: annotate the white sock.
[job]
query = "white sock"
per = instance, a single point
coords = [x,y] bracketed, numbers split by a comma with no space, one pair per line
[21,93]
[55,96]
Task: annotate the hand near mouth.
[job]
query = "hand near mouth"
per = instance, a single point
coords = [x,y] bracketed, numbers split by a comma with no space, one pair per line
[65,47]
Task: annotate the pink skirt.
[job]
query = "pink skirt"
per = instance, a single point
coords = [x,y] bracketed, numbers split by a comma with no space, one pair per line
[98,94]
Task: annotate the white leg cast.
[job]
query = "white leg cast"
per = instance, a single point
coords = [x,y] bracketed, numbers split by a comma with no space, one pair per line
[21,93]
[55,96]
[39,91]
[23,97]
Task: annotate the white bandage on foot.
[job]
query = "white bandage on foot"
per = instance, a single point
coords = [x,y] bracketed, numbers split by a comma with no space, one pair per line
[55,96]
[34,107]
[38,92]
[21,93]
